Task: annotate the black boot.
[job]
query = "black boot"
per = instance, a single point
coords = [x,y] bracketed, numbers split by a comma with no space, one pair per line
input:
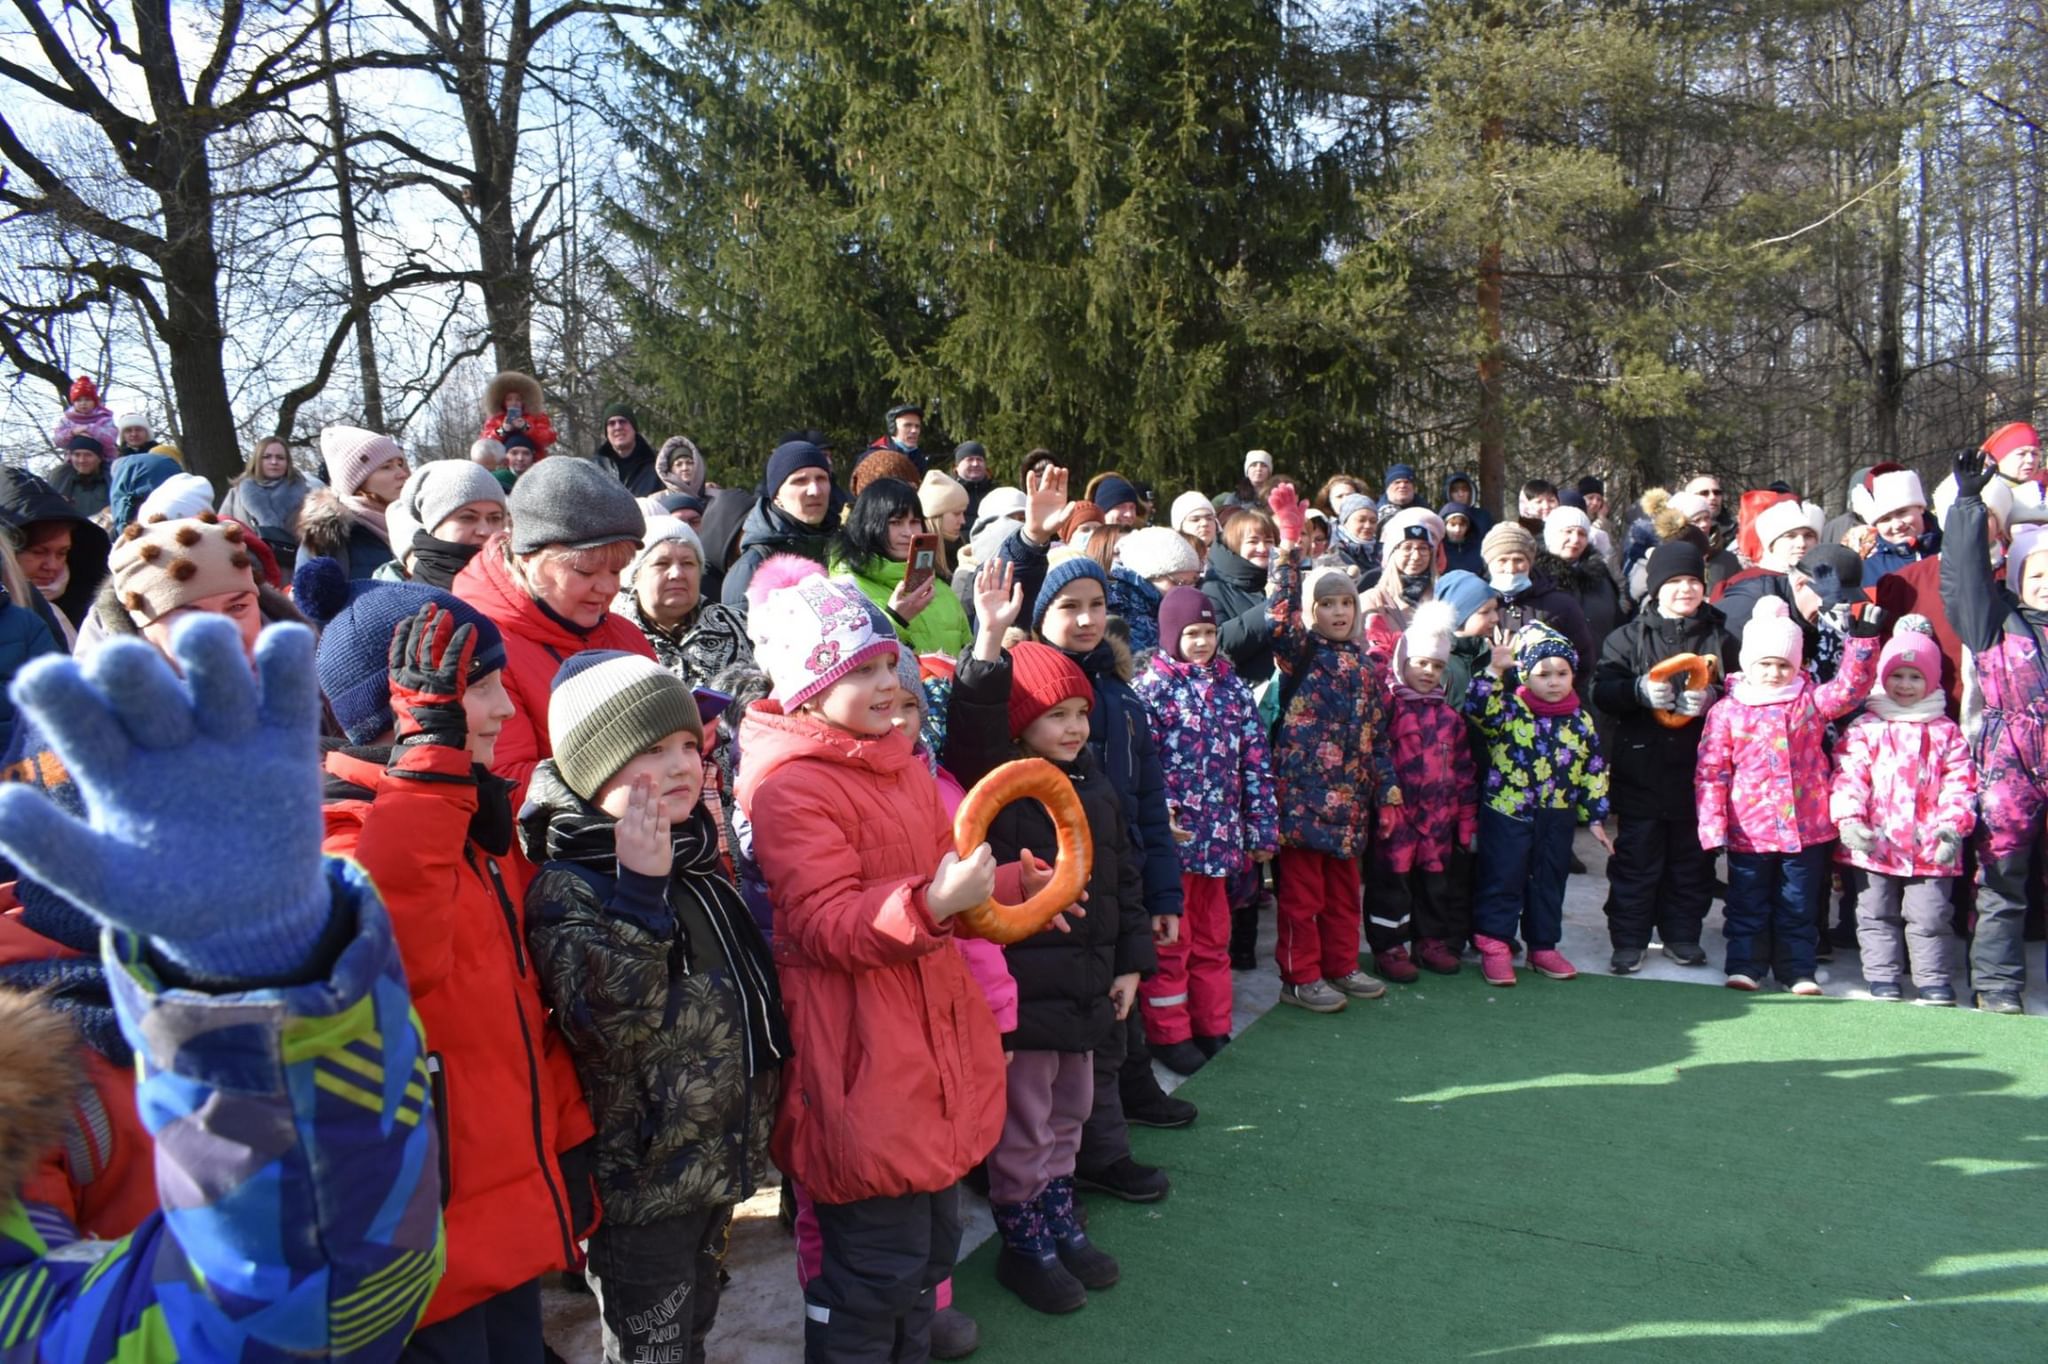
[1211,1045]
[1127,1179]
[1086,1261]
[1182,1058]
[1029,1265]
[1244,937]
[1147,1105]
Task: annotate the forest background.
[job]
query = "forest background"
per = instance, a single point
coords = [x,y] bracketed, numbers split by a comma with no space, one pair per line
[1766,238]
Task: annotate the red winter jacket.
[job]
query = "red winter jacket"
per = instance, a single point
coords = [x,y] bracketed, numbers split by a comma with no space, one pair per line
[897,1085]
[536,646]
[457,912]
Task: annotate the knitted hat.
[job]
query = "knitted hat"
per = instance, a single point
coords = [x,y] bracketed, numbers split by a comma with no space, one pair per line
[1319,584]
[1396,472]
[177,497]
[169,563]
[1252,457]
[85,440]
[1156,552]
[998,503]
[1040,678]
[1079,515]
[661,530]
[1912,646]
[1571,497]
[1560,521]
[1772,633]
[575,503]
[1186,505]
[790,457]
[1058,576]
[1352,504]
[1507,538]
[1465,593]
[1461,510]
[432,493]
[2000,443]
[810,634]
[607,707]
[884,461]
[909,671]
[1674,559]
[1687,505]
[1835,571]
[2027,541]
[84,390]
[1781,518]
[357,619]
[940,493]
[1428,634]
[1895,491]
[1412,523]
[1537,641]
[351,452]
[966,450]
[1997,499]
[1590,484]
[1178,609]
[170,452]
[131,418]
[622,409]
[1114,491]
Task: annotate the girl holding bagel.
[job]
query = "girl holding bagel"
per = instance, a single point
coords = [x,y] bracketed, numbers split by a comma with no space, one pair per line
[1660,880]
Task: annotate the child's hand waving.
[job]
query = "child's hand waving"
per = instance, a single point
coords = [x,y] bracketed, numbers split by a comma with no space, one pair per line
[1045,504]
[642,833]
[998,601]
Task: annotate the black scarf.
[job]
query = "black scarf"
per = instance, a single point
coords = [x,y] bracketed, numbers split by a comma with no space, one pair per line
[1413,585]
[435,562]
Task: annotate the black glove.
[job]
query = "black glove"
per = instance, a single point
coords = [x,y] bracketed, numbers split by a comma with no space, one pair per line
[429,663]
[1866,621]
[1973,472]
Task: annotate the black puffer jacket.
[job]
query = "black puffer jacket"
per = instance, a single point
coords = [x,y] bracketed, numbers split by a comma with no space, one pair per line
[1587,582]
[636,470]
[1236,587]
[1544,600]
[1652,766]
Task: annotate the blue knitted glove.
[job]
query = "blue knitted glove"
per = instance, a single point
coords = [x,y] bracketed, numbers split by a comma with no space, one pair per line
[202,797]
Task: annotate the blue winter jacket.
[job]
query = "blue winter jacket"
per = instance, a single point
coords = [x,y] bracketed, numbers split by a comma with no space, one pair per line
[1137,602]
[22,637]
[297,1163]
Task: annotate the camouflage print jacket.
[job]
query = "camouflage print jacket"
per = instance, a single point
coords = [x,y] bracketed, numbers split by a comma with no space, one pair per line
[667,995]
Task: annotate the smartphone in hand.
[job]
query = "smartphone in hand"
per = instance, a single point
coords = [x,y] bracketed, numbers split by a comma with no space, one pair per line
[923,563]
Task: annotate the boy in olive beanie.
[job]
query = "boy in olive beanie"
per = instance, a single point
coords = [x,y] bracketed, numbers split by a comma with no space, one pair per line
[607,708]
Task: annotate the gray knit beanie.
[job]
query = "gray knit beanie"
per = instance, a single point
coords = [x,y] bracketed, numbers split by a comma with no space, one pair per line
[572,502]
[608,707]
[432,493]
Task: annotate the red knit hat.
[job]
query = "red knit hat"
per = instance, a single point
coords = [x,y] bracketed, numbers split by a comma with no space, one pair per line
[1040,678]
[83,390]
[2008,438]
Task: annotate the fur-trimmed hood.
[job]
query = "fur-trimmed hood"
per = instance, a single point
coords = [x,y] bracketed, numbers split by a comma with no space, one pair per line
[325,522]
[505,385]
[38,1071]
[1575,577]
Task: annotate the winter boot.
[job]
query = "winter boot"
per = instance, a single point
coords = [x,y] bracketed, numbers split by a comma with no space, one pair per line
[1395,964]
[955,1335]
[1211,1045]
[1438,956]
[1029,1265]
[1086,1261]
[1182,1058]
[1496,959]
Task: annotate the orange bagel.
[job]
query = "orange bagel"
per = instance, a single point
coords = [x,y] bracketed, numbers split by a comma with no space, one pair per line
[1026,779]
[1697,670]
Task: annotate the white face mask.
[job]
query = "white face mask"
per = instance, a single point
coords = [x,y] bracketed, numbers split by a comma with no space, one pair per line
[55,589]
[1508,584]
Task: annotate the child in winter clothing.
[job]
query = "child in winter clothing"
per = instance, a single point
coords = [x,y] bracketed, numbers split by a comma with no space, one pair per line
[1219,783]
[1904,798]
[1411,896]
[1544,774]
[897,1086]
[1659,879]
[662,983]
[512,406]
[1759,790]
[1475,609]
[86,416]
[1330,767]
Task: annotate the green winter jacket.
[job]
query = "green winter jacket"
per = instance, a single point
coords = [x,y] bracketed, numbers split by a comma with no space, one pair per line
[941,628]
[666,994]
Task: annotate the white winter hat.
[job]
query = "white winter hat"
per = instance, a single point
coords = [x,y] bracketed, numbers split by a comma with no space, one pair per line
[1781,518]
[128,419]
[350,453]
[996,504]
[1772,633]
[1412,523]
[1687,505]
[1188,504]
[1560,521]
[1156,552]
[176,498]
[661,530]
[1428,634]
[1895,491]
[1252,457]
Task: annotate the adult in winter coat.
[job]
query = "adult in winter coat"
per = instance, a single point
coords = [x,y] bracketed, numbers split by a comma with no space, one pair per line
[268,494]
[661,592]
[2005,717]
[446,512]
[264,1246]
[793,514]
[873,550]
[1527,594]
[1408,545]
[411,800]
[347,520]
[1235,583]
[82,478]
[549,585]
[725,516]
[1569,560]
[1897,509]
[63,553]
[625,454]
[133,480]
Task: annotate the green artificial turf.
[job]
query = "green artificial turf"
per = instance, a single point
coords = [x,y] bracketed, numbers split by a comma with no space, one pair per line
[1606,1169]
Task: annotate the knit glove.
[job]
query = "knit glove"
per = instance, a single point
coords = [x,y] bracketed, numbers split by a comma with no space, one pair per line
[1948,848]
[1657,695]
[1288,513]
[202,797]
[1694,703]
[1973,472]
[1866,623]
[1857,835]
[429,663]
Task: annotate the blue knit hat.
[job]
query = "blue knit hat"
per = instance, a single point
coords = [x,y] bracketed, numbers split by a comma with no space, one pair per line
[1401,471]
[1466,593]
[356,620]
[1062,573]
[1114,491]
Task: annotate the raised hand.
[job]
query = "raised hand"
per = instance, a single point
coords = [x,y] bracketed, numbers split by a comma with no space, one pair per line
[1973,471]
[998,600]
[642,833]
[1288,513]
[1045,504]
[429,664]
[202,796]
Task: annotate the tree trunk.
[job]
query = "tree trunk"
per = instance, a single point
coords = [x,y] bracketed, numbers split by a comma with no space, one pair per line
[191,328]
[352,243]
[1493,441]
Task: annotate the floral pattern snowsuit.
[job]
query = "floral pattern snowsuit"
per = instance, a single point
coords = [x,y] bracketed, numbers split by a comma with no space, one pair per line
[1907,781]
[1218,764]
[1537,762]
[1439,782]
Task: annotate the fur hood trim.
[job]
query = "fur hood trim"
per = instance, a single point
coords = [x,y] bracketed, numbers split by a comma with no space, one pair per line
[38,1071]
[325,522]
[505,385]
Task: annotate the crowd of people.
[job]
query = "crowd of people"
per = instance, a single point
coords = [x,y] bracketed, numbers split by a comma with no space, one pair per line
[450,876]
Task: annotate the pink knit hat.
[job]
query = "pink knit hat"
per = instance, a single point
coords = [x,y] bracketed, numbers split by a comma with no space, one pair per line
[1912,646]
[1772,633]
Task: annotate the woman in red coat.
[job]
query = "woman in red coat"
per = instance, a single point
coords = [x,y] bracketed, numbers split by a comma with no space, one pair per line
[548,585]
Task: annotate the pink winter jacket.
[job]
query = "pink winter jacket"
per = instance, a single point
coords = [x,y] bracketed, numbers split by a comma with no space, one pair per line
[1762,782]
[1906,773]
[985,960]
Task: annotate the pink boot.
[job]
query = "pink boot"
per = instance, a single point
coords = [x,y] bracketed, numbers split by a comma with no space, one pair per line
[1551,963]
[1496,960]
[1437,955]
